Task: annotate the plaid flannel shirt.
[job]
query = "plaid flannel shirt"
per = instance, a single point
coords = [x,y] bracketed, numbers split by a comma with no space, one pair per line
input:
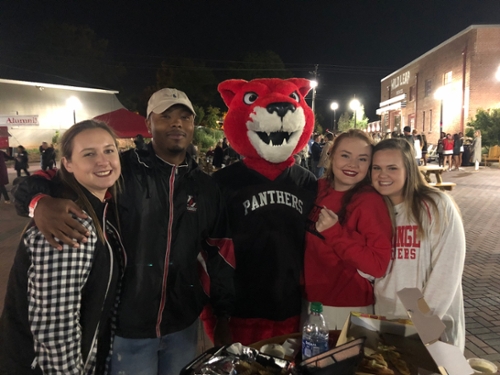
[55,282]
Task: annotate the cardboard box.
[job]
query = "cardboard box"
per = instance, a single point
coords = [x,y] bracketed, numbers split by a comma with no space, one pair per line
[418,341]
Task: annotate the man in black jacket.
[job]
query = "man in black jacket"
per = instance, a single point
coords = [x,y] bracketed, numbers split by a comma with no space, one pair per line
[173,225]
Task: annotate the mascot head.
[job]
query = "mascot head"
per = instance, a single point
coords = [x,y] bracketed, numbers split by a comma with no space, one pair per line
[268,121]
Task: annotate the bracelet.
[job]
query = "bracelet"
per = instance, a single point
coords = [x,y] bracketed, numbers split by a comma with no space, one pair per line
[34,203]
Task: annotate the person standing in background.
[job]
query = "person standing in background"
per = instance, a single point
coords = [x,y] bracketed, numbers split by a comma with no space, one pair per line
[425,146]
[461,136]
[476,149]
[448,151]
[417,145]
[325,154]
[440,149]
[21,161]
[48,156]
[4,177]
[315,155]
[218,156]
[457,146]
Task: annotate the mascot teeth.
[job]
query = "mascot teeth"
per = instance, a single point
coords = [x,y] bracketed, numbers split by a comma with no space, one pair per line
[274,138]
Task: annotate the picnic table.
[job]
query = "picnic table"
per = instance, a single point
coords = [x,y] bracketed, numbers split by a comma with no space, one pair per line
[437,171]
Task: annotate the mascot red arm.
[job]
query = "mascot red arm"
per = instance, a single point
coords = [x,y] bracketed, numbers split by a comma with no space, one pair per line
[268,121]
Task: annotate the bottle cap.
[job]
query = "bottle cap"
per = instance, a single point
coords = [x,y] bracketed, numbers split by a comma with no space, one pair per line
[316,307]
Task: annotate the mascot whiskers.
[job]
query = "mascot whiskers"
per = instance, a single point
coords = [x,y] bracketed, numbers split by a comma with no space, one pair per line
[268,199]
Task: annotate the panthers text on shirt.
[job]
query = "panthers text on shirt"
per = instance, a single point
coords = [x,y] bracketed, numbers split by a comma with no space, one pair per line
[273,197]
[406,242]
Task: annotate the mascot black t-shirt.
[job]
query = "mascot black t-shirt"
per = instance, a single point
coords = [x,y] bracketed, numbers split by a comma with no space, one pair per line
[268,263]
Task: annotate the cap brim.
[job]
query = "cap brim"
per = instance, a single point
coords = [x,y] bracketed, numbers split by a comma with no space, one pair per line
[164,106]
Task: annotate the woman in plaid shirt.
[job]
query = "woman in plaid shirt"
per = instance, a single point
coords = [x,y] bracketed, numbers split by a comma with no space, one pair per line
[59,304]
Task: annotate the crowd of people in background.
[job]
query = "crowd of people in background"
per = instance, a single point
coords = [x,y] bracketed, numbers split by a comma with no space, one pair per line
[449,151]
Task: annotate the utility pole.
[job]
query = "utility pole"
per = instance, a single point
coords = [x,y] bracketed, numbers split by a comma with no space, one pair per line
[316,75]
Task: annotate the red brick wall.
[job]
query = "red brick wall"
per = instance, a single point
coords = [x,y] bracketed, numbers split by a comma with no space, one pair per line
[482,90]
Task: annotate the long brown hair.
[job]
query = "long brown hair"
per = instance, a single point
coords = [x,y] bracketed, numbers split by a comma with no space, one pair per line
[330,177]
[416,190]
[66,149]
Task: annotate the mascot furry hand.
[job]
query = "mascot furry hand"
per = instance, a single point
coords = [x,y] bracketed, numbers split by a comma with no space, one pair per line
[268,121]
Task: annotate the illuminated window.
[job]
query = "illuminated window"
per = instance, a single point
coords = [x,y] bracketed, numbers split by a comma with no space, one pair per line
[447,78]
[428,87]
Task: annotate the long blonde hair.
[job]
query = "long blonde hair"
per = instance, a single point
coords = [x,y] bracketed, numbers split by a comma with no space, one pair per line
[416,191]
[66,149]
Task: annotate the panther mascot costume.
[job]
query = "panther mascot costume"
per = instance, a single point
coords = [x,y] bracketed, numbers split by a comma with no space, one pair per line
[268,198]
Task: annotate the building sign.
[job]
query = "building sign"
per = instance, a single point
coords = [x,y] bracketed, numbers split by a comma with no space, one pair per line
[16,120]
[400,80]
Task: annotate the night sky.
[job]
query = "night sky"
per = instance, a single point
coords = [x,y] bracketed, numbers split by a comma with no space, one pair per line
[356,43]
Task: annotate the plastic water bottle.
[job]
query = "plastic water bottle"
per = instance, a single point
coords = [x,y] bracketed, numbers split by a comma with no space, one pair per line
[314,333]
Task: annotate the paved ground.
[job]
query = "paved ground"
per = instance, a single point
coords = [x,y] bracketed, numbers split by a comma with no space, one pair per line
[478,196]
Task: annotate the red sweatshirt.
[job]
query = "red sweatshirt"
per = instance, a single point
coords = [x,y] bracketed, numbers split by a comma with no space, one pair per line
[363,243]
[448,144]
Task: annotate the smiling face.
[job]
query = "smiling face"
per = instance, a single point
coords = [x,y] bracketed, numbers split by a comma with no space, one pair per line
[172,132]
[94,161]
[389,174]
[350,162]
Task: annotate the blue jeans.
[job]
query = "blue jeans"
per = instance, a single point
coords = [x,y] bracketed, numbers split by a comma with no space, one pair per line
[166,355]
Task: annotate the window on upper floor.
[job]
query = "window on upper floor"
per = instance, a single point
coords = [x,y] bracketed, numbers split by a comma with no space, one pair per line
[447,78]
[428,87]
[412,93]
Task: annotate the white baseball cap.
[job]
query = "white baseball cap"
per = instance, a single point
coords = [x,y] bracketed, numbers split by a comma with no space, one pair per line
[163,99]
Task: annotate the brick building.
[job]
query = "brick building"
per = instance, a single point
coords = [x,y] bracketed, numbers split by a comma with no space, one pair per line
[464,70]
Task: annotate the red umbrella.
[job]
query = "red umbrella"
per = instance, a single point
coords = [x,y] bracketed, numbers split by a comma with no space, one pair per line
[126,124]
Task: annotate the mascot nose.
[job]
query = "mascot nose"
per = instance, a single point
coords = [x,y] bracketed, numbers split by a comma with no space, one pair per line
[280,108]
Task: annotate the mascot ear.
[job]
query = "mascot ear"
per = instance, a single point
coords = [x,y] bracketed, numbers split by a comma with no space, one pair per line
[303,84]
[229,88]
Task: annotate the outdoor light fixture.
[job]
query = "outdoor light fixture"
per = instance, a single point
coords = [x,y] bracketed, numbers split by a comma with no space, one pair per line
[74,103]
[313,83]
[354,105]
[334,106]
[497,75]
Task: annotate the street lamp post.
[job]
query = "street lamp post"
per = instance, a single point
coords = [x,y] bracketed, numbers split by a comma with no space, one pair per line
[354,105]
[73,103]
[334,106]
[313,84]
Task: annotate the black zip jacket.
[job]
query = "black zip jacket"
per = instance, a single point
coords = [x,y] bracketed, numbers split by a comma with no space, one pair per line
[173,225]
[71,322]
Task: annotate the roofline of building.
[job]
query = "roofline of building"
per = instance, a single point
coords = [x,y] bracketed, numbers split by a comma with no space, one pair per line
[439,46]
[41,86]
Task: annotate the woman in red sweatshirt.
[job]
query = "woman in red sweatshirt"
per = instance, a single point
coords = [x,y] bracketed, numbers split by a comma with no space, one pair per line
[448,150]
[348,241]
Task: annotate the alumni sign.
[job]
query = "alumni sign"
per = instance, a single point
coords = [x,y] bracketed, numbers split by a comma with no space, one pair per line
[16,120]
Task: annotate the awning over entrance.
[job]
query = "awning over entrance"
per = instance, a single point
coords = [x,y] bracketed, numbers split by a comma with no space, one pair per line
[126,124]
[392,104]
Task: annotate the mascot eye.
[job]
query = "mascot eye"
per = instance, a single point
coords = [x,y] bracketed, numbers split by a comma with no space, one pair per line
[295,96]
[250,97]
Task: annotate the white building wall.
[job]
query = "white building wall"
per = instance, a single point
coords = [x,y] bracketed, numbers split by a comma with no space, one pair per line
[49,103]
